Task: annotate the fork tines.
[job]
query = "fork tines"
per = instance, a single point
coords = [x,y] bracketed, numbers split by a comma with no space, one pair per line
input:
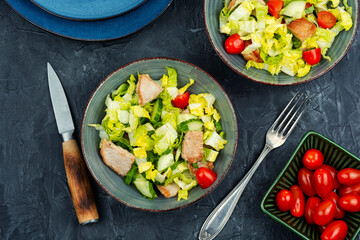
[290,116]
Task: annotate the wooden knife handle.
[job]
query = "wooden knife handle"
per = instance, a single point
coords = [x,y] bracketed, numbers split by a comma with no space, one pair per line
[79,184]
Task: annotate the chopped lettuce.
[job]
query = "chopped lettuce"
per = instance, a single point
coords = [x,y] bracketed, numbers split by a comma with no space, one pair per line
[215,141]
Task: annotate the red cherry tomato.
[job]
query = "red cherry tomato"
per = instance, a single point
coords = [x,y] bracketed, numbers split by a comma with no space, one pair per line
[274,7]
[333,172]
[322,182]
[234,44]
[205,177]
[284,200]
[298,207]
[313,159]
[350,202]
[336,230]
[324,212]
[181,101]
[304,180]
[326,19]
[308,5]
[313,56]
[349,176]
[339,213]
[310,206]
[343,189]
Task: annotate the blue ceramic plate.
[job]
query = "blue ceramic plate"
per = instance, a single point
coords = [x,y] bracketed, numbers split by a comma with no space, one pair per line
[337,51]
[108,29]
[111,182]
[88,9]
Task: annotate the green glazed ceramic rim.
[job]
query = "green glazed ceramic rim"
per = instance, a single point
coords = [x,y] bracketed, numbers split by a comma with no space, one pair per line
[281,175]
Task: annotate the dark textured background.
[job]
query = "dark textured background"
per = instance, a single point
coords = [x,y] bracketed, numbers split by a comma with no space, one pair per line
[34,198]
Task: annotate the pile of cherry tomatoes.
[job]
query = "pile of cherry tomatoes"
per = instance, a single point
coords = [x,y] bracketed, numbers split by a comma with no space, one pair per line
[330,194]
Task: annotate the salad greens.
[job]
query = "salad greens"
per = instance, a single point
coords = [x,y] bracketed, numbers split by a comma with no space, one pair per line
[154,133]
[279,49]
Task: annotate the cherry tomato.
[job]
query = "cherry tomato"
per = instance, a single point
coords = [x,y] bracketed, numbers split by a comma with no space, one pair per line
[322,182]
[350,202]
[298,207]
[343,189]
[349,176]
[274,7]
[308,5]
[339,213]
[333,172]
[313,159]
[324,212]
[326,19]
[336,230]
[181,101]
[284,200]
[313,56]
[310,206]
[205,177]
[304,180]
[234,44]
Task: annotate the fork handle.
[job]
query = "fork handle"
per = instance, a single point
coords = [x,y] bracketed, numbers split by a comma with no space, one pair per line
[218,218]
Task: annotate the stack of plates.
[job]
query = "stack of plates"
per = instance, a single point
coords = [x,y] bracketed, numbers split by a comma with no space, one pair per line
[90,20]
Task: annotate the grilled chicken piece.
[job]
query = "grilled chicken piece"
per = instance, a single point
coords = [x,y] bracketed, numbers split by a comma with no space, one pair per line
[116,158]
[170,190]
[206,164]
[147,89]
[192,146]
[302,28]
[254,56]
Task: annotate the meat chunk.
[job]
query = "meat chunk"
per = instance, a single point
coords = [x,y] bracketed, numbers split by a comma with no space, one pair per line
[192,146]
[231,5]
[147,89]
[116,158]
[302,28]
[206,164]
[170,190]
[253,56]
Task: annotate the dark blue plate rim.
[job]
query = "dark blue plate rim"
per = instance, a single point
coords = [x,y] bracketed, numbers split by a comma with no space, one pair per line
[120,26]
[107,13]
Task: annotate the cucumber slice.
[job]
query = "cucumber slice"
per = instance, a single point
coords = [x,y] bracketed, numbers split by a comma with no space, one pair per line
[191,125]
[144,186]
[294,9]
[165,161]
[186,116]
[156,113]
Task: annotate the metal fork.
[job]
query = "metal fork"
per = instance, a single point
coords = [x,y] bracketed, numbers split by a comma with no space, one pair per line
[275,137]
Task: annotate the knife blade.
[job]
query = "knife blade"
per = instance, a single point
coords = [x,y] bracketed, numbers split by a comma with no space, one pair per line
[76,171]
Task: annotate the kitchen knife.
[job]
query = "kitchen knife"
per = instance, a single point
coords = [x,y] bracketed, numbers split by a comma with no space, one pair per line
[76,172]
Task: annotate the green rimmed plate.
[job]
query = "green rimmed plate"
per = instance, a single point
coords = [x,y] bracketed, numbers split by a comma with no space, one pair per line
[335,156]
[95,111]
[337,51]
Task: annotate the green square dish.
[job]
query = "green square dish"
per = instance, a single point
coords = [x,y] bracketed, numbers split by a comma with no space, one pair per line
[335,156]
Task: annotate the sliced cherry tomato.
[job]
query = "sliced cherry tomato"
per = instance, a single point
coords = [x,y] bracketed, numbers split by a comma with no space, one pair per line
[284,200]
[313,159]
[326,19]
[304,180]
[333,172]
[313,56]
[339,213]
[322,182]
[274,7]
[181,101]
[310,206]
[349,176]
[336,230]
[343,189]
[350,202]
[205,177]
[234,44]
[298,207]
[324,212]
